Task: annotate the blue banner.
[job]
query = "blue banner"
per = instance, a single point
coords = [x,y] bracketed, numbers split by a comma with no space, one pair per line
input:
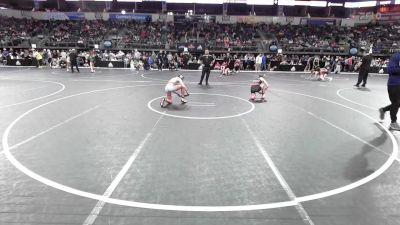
[130,16]
[75,15]
[64,16]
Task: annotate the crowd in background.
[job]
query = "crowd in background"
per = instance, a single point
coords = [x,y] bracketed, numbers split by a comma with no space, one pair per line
[160,35]
[178,60]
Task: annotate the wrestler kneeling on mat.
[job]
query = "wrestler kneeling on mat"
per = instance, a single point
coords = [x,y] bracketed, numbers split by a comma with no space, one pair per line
[321,74]
[175,85]
[259,86]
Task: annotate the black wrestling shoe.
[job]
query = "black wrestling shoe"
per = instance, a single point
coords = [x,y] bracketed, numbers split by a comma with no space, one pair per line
[162,103]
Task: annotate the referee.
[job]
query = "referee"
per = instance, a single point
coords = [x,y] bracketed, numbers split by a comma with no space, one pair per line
[207,61]
[393,91]
[364,68]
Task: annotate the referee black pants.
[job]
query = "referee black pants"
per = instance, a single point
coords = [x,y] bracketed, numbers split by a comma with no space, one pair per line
[72,66]
[362,77]
[394,96]
[205,71]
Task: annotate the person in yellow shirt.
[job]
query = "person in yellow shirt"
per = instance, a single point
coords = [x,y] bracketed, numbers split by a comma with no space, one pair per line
[38,58]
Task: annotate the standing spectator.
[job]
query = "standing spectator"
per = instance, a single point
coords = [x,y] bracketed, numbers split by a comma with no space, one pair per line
[264,62]
[349,64]
[5,54]
[364,68]
[160,59]
[337,65]
[170,57]
[92,60]
[63,55]
[237,65]
[246,61]
[38,58]
[393,91]
[73,56]
[45,58]
[308,65]
[258,62]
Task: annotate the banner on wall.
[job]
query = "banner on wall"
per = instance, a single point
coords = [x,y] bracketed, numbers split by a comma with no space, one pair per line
[387,17]
[246,19]
[55,16]
[75,15]
[26,14]
[130,16]
[319,22]
[194,18]
[63,16]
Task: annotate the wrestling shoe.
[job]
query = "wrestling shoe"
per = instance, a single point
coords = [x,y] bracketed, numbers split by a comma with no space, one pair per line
[381,114]
[394,126]
[162,103]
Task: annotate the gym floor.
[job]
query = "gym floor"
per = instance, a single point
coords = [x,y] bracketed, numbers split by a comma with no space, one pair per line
[98,149]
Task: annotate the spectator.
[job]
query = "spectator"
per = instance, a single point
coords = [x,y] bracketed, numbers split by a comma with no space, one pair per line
[38,57]
[258,62]
[264,62]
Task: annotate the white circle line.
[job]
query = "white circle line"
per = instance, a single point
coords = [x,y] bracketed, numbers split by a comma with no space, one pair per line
[294,202]
[38,98]
[344,98]
[203,118]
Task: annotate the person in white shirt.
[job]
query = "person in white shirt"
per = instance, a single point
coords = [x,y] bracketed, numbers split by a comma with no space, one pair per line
[175,85]
[258,62]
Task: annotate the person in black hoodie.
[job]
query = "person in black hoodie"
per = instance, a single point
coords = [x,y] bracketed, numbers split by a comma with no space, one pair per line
[73,56]
[364,68]
[393,87]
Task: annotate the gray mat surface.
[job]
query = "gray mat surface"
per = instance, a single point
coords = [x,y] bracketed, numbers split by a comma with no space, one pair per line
[105,134]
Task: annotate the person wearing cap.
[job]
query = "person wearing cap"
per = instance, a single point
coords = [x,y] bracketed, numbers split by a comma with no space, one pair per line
[393,87]
[364,68]
[207,62]
[259,86]
[175,85]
